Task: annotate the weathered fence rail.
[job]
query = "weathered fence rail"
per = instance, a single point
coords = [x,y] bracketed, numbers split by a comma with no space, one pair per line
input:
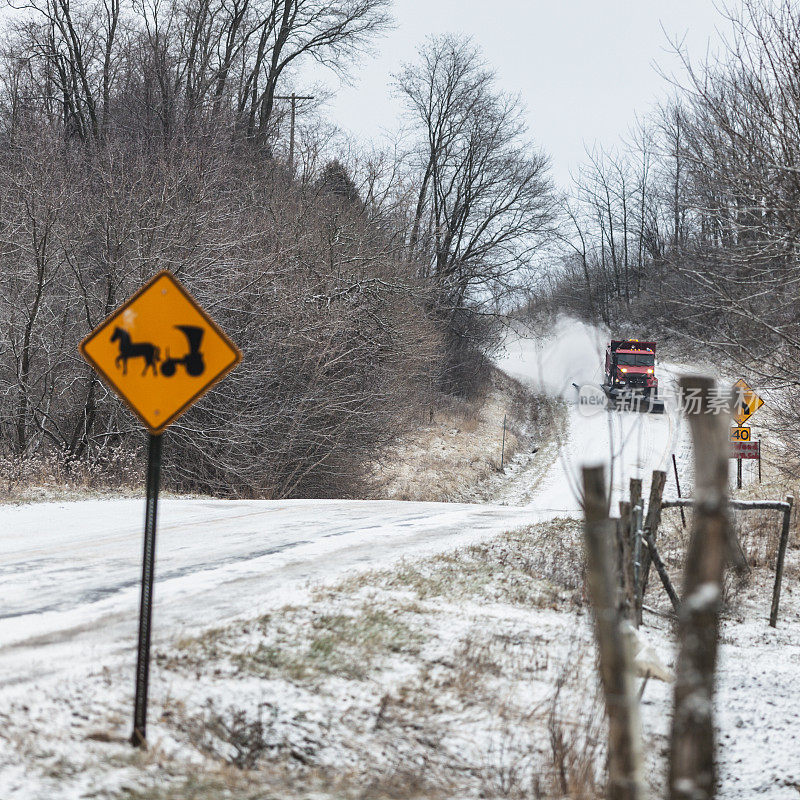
[774,505]
[784,506]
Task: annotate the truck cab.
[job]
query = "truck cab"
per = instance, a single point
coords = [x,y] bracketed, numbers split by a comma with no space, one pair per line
[630,368]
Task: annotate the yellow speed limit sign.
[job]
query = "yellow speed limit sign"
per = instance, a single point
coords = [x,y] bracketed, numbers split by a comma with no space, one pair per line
[740,434]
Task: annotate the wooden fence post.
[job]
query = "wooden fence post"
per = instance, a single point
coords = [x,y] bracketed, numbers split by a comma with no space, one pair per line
[692,768]
[651,523]
[662,572]
[636,492]
[635,544]
[638,556]
[776,591]
[503,451]
[625,775]
[627,596]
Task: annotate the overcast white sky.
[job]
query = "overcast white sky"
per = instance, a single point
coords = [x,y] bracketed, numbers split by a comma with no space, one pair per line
[584,68]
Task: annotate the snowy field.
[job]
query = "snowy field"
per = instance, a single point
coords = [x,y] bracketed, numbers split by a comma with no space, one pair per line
[70,571]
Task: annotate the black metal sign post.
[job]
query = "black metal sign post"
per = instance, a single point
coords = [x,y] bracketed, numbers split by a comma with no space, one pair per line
[139,736]
[759,461]
[678,485]
[161,314]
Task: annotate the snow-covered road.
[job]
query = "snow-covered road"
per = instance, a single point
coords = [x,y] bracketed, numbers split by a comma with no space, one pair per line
[70,571]
[631,445]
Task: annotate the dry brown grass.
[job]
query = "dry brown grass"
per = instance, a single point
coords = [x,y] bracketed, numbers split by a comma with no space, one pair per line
[758,532]
[459,444]
[431,681]
[539,566]
[55,476]
[576,750]
[346,643]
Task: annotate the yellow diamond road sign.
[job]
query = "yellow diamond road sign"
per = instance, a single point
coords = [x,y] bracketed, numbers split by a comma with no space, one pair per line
[746,402]
[160,352]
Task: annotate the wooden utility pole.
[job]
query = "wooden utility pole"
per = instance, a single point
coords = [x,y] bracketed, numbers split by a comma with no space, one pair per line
[294,98]
[625,774]
[692,768]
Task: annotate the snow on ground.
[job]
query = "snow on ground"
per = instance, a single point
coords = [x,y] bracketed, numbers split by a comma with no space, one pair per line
[758,669]
[758,714]
[422,677]
[70,571]
[568,363]
[461,448]
[70,574]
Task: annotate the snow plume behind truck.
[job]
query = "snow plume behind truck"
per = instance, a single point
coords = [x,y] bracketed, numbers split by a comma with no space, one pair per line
[630,375]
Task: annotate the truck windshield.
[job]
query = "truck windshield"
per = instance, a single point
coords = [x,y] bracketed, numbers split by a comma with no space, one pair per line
[635,359]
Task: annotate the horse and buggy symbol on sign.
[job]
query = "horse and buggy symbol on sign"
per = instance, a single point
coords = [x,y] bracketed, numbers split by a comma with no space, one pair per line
[192,361]
[160,351]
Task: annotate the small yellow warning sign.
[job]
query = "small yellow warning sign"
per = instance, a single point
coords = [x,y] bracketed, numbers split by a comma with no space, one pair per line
[746,401]
[160,352]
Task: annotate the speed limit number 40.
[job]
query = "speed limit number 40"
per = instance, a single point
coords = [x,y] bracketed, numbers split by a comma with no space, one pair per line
[740,434]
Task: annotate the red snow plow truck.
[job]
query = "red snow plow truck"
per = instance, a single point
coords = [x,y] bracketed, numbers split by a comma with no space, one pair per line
[630,376]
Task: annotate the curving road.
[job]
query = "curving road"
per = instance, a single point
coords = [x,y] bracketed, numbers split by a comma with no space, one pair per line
[70,572]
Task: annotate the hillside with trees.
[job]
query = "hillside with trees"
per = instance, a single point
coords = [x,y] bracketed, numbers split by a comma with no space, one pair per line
[137,137]
[691,224]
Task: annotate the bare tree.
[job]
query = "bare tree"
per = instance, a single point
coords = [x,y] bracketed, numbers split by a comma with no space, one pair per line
[185,64]
[485,206]
[739,146]
[312,281]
